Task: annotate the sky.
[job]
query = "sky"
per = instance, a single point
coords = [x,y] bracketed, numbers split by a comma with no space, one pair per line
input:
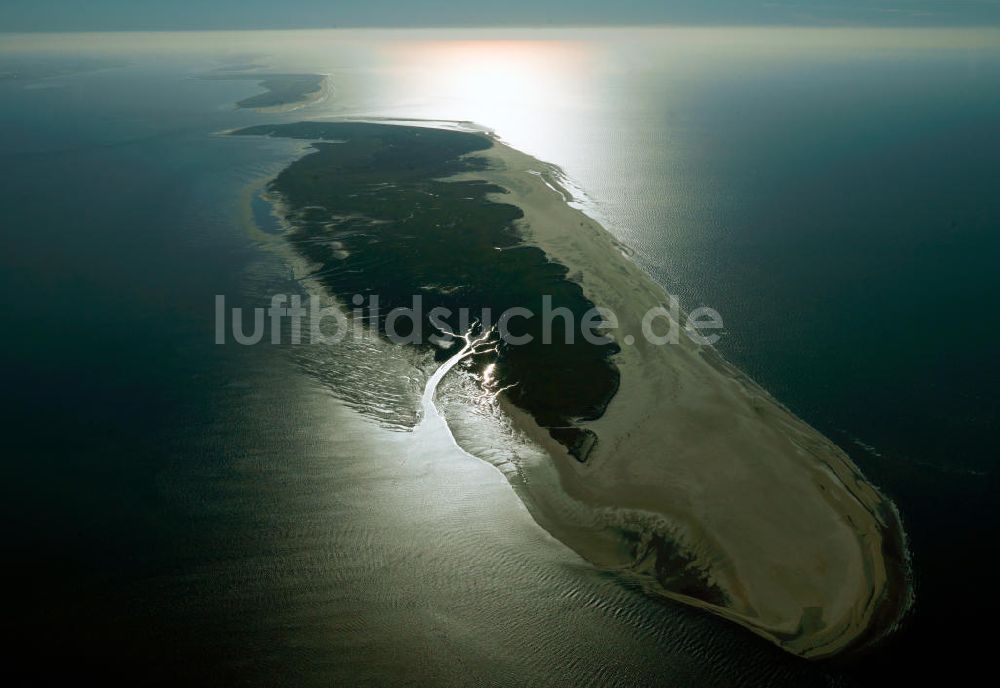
[112,15]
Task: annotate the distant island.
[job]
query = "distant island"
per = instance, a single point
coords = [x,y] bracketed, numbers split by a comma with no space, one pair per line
[283,91]
[670,464]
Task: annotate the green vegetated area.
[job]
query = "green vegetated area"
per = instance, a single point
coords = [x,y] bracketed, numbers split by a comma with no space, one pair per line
[370,207]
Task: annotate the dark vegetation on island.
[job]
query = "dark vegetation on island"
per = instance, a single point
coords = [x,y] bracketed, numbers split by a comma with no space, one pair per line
[282,89]
[369,206]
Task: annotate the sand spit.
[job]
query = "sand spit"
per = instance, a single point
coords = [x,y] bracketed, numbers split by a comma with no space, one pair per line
[773,525]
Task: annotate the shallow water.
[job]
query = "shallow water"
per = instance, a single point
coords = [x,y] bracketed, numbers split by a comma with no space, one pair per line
[246,513]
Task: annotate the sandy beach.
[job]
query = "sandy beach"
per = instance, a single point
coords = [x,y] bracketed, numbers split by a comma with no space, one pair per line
[773,517]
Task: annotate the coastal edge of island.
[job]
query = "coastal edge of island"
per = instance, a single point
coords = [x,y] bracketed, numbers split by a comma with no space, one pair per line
[691,475]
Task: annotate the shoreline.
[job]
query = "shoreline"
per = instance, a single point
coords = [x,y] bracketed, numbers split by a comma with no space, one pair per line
[307,99]
[280,93]
[808,554]
[700,483]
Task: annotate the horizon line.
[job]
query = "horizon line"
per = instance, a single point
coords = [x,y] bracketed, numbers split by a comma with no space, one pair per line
[521,27]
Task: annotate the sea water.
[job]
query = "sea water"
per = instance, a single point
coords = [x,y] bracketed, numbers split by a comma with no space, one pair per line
[237,513]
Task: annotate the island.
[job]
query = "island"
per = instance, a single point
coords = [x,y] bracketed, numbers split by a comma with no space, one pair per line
[669,464]
[282,91]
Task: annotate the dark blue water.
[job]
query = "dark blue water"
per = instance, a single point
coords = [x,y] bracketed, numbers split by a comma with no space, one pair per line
[120,220]
[172,510]
[852,246]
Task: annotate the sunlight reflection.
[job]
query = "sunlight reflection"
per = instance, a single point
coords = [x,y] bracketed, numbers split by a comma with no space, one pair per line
[521,88]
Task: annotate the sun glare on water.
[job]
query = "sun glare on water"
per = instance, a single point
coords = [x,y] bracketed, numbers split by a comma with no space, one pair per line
[501,84]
